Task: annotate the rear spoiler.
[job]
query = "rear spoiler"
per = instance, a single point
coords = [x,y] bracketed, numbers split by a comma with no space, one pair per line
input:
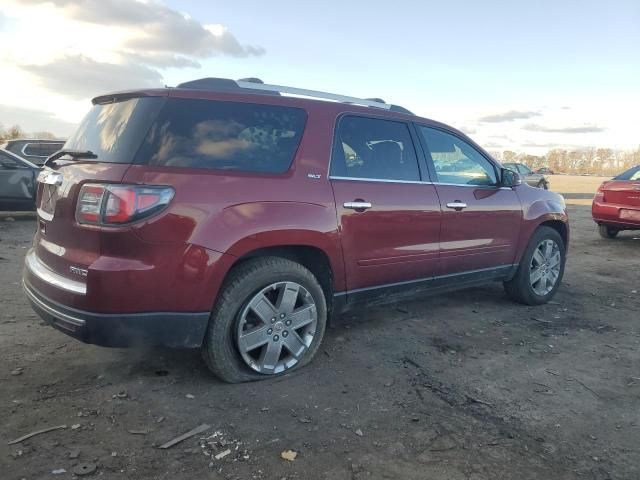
[127,94]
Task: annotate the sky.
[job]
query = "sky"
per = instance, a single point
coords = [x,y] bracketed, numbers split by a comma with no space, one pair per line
[514,75]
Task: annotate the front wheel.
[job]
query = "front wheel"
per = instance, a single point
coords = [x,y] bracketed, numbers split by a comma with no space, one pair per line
[606,231]
[269,319]
[543,185]
[541,269]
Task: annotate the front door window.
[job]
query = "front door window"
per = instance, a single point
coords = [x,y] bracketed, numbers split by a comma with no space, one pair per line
[455,161]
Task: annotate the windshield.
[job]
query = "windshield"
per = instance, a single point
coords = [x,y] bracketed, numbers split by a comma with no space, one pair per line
[114,131]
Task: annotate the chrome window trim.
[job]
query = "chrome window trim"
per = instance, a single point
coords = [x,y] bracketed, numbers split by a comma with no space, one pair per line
[379,180]
[472,186]
[42,272]
[384,180]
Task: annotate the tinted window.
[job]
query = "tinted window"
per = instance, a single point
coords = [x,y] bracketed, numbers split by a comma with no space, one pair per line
[523,169]
[114,131]
[41,149]
[456,161]
[224,136]
[374,148]
[8,162]
[631,174]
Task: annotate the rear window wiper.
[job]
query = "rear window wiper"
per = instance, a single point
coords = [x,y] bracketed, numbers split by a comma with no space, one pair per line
[75,154]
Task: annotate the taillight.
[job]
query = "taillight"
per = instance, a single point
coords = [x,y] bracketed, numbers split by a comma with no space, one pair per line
[600,192]
[120,204]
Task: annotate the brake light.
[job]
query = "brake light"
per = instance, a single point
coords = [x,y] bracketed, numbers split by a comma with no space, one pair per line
[120,204]
[600,192]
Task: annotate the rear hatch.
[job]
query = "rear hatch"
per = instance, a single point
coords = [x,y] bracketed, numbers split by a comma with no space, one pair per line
[624,189]
[113,131]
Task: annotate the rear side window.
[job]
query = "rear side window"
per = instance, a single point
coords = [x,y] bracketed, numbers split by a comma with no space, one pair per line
[372,148]
[114,131]
[631,174]
[220,135]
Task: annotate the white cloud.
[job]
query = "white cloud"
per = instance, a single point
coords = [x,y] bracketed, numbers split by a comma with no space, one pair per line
[509,116]
[81,77]
[57,54]
[35,120]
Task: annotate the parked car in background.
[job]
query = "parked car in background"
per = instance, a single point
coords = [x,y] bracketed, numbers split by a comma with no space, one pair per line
[616,205]
[34,150]
[231,217]
[17,182]
[531,178]
[544,171]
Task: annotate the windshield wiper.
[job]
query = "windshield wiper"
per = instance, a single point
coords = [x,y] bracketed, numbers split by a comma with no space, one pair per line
[74,154]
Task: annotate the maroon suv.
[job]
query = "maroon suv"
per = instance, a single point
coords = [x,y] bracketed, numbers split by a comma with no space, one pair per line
[227,216]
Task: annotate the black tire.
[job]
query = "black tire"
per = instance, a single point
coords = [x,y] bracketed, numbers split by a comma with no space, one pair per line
[519,288]
[543,185]
[219,348]
[606,231]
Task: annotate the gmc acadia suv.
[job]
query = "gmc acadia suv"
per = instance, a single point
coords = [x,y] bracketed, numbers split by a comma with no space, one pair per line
[227,216]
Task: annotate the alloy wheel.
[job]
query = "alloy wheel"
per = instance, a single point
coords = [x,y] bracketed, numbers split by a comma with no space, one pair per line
[276,327]
[544,269]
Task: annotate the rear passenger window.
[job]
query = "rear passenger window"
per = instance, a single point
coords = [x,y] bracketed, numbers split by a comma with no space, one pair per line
[218,135]
[371,148]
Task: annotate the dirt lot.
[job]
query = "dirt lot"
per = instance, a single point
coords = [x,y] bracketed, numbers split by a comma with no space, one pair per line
[460,386]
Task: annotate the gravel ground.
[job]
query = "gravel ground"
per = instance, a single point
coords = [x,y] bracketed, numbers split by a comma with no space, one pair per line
[460,386]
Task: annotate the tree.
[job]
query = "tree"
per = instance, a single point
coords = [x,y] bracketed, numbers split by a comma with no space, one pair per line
[44,135]
[14,132]
[509,156]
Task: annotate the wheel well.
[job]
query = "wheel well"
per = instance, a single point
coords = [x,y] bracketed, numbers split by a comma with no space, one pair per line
[559,227]
[312,258]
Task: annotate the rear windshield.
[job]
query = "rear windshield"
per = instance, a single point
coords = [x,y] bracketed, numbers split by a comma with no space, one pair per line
[114,131]
[41,149]
[220,135]
[631,174]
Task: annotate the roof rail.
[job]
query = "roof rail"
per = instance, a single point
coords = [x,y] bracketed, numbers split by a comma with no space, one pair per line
[312,93]
[255,85]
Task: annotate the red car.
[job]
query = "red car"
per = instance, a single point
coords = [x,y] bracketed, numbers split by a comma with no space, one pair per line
[226,216]
[616,205]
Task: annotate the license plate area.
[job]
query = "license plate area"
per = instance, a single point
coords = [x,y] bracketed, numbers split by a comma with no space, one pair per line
[626,214]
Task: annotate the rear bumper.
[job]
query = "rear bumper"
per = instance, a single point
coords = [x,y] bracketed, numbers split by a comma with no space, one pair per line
[610,214]
[169,329]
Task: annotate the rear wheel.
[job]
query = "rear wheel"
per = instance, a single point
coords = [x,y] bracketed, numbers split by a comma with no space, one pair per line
[607,232]
[269,319]
[541,269]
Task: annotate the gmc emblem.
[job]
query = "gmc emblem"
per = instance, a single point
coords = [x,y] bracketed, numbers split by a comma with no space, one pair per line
[82,272]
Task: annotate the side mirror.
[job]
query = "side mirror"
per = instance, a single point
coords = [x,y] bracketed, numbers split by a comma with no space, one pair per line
[509,178]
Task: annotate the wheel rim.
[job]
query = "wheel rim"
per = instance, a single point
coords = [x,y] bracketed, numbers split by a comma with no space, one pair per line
[276,327]
[544,269]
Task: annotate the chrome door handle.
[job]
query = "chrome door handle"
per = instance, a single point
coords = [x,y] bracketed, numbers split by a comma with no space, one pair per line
[357,205]
[457,205]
